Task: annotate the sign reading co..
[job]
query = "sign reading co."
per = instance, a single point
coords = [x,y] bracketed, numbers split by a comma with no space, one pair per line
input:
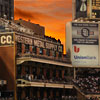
[6,39]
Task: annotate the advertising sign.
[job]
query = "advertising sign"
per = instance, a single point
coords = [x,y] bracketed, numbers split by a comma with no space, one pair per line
[6,39]
[85,44]
[22,39]
[81,8]
[7,60]
[39,43]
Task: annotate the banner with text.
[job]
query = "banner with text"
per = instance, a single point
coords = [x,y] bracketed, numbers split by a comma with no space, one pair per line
[7,39]
[41,43]
[85,44]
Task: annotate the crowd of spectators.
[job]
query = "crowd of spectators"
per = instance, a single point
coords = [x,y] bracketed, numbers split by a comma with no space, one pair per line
[93,98]
[6,95]
[88,81]
[69,98]
[46,94]
[49,98]
[45,75]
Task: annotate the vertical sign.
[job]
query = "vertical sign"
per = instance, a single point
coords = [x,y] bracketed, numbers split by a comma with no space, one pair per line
[85,44]
[81,8]
[7,60]
[6,39]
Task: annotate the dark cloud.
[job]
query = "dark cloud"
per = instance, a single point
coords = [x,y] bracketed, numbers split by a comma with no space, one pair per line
[20,13]
[30,15]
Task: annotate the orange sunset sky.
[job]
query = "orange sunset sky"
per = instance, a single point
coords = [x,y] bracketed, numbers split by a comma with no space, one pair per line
[52,14]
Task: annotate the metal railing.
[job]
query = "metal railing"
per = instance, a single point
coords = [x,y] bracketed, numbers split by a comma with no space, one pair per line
[59,59]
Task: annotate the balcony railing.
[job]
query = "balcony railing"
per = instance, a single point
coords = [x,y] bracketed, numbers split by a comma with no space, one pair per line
[58,59]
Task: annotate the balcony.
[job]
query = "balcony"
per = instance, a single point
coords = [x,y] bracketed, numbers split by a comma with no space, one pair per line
[43,59]
[26,83]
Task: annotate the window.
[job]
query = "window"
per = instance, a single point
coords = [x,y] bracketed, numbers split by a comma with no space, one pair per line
[27,48]
[27,69]
[10,14]
[6,0]
[1,10]
[54,53]
[19,47]
[19,70]
[48,52]
[27,92]
[6,10]
[1,1]
[34,49]
[60,54]
[41,51]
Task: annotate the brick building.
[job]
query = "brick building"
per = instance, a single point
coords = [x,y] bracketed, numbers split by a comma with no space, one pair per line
[37,29]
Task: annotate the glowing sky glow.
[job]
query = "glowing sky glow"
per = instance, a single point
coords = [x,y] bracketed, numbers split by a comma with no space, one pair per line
[52,14]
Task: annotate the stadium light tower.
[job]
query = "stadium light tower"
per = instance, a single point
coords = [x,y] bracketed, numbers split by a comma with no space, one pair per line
[79,8]
[86,9]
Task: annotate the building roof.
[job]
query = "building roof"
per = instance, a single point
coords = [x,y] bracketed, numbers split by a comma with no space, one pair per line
[38,30]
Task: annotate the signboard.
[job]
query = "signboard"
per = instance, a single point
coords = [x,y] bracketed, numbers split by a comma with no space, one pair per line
[23,39]
[48,45]
[81,8]
[39,43]
[7,60]
[85,44]
[6,39]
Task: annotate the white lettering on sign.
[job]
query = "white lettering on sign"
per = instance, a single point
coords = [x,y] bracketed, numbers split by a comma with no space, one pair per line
[51,46]
[22,39]
[55,47]
[39,43]
[7,39]
[3,40]
[60,49]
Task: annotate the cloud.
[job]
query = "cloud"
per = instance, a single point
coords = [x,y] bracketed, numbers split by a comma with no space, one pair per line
[53,14]
[20,13]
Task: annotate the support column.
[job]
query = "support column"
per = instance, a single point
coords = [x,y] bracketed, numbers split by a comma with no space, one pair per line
[90,8]
[74,73]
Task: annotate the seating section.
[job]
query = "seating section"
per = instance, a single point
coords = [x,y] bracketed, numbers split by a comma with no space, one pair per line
[88,85]
[93,98]
[46,94]
[45,74]
[88,81]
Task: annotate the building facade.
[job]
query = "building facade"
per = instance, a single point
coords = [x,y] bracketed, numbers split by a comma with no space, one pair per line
[41,70]
[7,8]
[38,30]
